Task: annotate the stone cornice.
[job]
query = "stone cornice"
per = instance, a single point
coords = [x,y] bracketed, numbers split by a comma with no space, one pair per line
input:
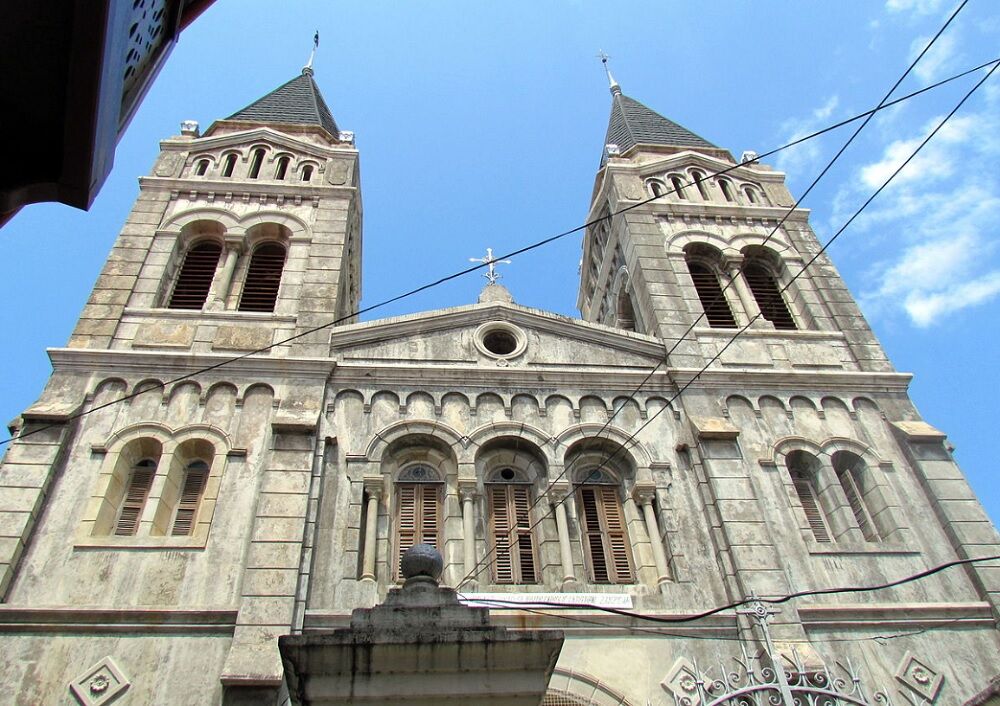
[255,134]
[121,362]
[139,621]
[220,187]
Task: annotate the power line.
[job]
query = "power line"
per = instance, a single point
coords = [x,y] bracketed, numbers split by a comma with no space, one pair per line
[473,573]
[469,270]
[477,570]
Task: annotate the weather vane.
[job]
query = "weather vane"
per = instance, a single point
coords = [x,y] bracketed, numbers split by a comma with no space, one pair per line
[312,54]
[491,274]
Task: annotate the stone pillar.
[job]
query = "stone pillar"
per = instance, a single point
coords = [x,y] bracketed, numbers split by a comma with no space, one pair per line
[373,489]
[644,497]
[224,277]
[469,492]
[735,273]
[559,497]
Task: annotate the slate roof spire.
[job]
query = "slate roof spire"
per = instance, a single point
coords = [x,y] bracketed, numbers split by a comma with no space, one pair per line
[297,102]
[632,123]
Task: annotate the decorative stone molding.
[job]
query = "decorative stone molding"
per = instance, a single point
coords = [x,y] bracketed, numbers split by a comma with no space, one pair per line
[100,684]
[714,428]
[919,431]
[919,677]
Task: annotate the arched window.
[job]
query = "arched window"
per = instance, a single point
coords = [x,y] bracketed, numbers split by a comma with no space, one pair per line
[418,509]
[307,172]
[764,286]
[656,187]
[851,473]
[260,289]
[802,470]
[195,478]
[282,168]
[229,165]
[602,528]
[256,160]
[201,168]
[713,299]
[678,185]
[727,190]
[140,480]
[509,496]
[751,194]
[624,311]
[195,277]
[699,178]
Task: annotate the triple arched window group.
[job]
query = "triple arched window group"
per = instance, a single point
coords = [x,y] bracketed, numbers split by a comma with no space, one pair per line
[200,268]
[697,185]
[512,523]
[280,167]
[754,283]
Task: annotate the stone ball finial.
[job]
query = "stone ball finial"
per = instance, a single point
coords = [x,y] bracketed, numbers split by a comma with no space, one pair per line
[422,560]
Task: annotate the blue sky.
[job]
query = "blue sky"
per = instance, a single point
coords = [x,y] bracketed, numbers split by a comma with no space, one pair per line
[482,124]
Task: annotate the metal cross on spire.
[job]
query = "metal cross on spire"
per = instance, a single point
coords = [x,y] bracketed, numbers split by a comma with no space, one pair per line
[491,274]
[312,54]
[615,88]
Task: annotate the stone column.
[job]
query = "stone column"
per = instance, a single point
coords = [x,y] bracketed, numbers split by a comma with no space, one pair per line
[735,273]
[559,497]
[468,493]
[224,277]
[644,497]
[374,491]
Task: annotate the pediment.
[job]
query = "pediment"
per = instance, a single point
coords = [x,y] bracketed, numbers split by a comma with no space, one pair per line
[457,337]
[280,141]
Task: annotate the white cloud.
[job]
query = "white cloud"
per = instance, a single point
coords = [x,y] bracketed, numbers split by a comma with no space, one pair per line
[804,158]
[926,310]
[919,7]
[939,58]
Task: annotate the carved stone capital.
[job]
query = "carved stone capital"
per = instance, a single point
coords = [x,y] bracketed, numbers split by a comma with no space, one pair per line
[468,490]
[558,492]
[644,493]
[375,487]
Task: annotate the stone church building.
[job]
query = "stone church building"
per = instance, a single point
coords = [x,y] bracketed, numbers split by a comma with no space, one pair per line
[266,470]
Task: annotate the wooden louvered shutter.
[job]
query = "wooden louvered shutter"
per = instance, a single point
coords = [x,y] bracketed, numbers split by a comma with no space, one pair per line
[852,489]
[768,296]
[260,289]
[617,539]
[135,498]
[503,563]
[810,504]
[525,546]
[713,299]
[187,505]
[417,517]
[606,540]
[195,277]
[593,544]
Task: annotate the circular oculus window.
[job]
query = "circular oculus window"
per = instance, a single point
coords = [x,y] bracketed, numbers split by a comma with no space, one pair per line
[500,340]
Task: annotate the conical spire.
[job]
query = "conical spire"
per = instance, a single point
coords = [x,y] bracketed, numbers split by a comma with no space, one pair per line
[633,124]
[297,102]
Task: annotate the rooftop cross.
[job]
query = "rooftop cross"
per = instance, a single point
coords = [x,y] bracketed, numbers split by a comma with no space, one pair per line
[615,88]
[308,68]
[491,274]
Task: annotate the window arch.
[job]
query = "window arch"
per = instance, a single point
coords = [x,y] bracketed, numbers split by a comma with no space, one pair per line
[727,190]
[256,160]
[260,288]
[195,277]
[705,277]
[602,527]
[201,167]
[656,187]
[698,177]
[802,469]
[764,286]
[229,165]
[140,481]
[678,184]
[307,172]
[418,509]
[509,497]
[186,513]
[854,479]
[751,195]
[282,167]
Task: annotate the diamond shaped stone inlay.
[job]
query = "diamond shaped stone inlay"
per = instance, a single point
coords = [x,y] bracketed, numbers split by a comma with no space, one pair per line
[101,684]
[682,683]
[919,677]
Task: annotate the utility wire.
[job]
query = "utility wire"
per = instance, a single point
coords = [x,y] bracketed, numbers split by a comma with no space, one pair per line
[474,268]
[721,295]
[476,570]
[676,620]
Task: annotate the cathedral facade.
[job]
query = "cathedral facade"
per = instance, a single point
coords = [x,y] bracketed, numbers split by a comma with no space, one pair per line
[213,465]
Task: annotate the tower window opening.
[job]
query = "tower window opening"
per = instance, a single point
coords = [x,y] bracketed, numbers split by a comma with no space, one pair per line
[195,478]
[418,510]
[281,169]
[260,289]
[605,538]
[255,161]
[765,291]
[201,168]
[803,481]
[851,473]
[510,529]
[751,194]
[727,190]
[699,179]
[195,278]
[656,187]
[229,165]
[713,299]
[139,483]
[307,172]
[678,185]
